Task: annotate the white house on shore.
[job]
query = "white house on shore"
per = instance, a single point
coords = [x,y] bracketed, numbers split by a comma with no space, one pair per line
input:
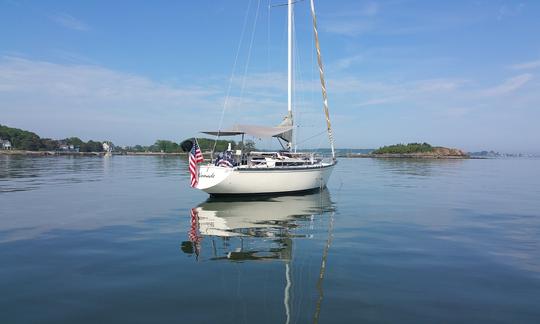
[108,146]
[63,147]
[6,144]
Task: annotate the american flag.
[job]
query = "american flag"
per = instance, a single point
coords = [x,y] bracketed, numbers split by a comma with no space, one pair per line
[195,157]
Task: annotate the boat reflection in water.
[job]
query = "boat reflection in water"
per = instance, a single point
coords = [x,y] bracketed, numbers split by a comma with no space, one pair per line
[262,228]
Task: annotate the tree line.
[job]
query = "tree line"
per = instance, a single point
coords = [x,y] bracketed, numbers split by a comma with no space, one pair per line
[206,145]
[404,148]
[29,141]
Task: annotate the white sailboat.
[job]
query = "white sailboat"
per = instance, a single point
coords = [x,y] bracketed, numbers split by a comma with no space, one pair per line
[237,172]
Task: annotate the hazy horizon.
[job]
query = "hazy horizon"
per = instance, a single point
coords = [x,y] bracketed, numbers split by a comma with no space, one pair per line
[460,74]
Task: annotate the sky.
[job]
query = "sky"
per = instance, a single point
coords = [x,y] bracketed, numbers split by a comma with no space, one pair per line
[461,74]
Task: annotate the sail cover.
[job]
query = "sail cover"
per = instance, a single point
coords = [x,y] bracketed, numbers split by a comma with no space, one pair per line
[282,131]
[287,122]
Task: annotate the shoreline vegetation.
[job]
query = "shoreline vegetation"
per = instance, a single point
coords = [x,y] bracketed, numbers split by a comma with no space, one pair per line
[22,142]
[414,151]
[437,153]
[73,153]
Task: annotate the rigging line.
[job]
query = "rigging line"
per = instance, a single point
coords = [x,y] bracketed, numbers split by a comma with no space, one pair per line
[314,136]
[232,77]
[320,142]
[248,59]
[286,4]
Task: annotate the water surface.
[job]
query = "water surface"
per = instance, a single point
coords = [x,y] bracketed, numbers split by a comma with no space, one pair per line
[123,239]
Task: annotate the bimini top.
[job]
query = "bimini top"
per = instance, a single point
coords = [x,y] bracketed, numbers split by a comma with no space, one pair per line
[283,132]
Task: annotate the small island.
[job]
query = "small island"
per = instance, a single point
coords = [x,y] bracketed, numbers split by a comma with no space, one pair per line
[415,150]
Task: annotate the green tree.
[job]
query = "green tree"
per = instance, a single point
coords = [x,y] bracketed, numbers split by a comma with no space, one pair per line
[139,148]
[20,139]
[405,149]
[167,146]
[249,146]
[207,144]
[75,141]
[48,144]
[93,146]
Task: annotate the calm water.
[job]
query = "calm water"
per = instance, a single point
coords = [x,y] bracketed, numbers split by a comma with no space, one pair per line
[123,239]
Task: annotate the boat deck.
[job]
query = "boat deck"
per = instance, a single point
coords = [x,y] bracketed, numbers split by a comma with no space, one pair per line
[266,160]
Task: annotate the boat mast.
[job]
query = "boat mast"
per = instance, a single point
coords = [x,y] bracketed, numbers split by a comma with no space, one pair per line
[290,64]
[323,83]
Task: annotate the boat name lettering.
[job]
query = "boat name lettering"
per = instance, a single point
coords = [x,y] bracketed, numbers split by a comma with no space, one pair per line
[203,175]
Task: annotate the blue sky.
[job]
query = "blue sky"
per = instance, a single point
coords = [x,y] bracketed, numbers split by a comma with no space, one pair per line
[453,73]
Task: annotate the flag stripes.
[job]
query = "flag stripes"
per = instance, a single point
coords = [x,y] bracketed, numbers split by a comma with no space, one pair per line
[195,157]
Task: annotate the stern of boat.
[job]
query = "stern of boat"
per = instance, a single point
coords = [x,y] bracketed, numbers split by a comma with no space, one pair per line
[211,175]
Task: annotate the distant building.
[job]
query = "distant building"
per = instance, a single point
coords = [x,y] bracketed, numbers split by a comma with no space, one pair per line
[67,148]
[6,144]
[108,146]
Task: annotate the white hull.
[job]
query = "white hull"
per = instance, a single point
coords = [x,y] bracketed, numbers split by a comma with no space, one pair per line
[217,180]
